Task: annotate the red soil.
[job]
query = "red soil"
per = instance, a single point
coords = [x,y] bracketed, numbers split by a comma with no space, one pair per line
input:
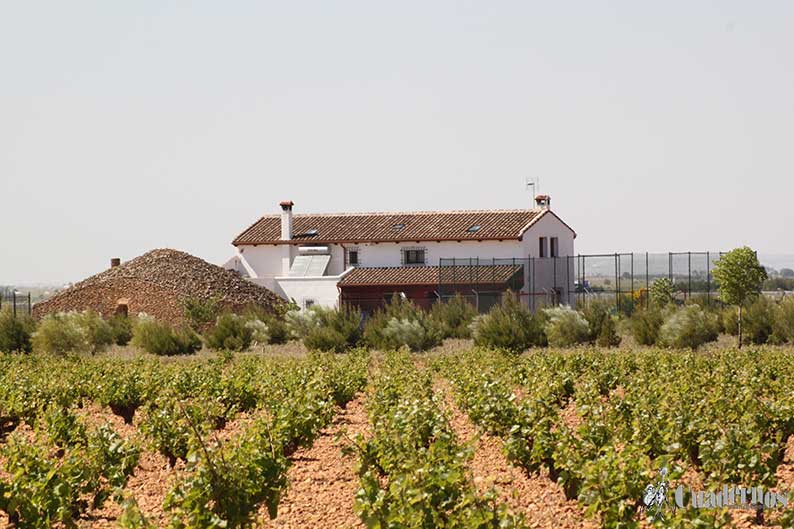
[323,482]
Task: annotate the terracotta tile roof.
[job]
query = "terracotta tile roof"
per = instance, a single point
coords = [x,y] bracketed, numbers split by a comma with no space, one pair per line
[393,227]
[431,275]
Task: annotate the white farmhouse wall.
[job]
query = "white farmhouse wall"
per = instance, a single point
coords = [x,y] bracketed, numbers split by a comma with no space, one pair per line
[320,290]
[266,261]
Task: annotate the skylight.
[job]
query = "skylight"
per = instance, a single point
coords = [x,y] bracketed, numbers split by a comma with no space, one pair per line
[474,229]
[311,232]
[398,226]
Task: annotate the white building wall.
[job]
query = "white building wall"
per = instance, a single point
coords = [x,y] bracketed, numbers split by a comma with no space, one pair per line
[266,260]
[320,290]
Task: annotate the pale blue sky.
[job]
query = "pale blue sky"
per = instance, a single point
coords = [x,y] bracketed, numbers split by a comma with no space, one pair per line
[126,126]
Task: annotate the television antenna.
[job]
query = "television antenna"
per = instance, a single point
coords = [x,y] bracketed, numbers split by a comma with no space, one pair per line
[532,185]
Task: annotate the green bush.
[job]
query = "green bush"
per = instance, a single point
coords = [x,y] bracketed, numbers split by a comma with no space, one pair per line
[644,325]
[75,332]
[783,326]
[301,322]
[15,333]
[597,313]
[453,317]
[335,331]
[200,313]
[230,332]
[121,329]
[729,319]
[759,319]
[608,336]
[688,327]
[565,327]
[277,329]
[162,340]
[662,292]
[397,325]
[509,326]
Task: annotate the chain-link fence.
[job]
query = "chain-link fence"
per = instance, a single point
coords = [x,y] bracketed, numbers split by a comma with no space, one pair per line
[622,278]
[17,303]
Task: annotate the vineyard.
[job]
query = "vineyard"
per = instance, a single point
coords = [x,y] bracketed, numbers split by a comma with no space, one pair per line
[459,437]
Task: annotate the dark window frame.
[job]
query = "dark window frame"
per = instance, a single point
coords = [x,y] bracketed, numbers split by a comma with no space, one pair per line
[542,247]
[414,256]
[351,260]
[554,247]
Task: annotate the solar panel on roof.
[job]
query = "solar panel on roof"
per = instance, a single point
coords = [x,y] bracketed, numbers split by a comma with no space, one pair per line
[309,265]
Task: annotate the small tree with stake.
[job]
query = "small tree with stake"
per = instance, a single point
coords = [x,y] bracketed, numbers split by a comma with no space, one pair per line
[740,277]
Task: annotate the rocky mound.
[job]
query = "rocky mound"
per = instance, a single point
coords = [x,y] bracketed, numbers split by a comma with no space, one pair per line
[157,283]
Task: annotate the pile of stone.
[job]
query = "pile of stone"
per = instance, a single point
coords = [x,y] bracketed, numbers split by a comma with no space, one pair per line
[158,283]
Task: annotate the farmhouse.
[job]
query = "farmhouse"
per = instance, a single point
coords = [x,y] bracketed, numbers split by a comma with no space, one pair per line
[364,258]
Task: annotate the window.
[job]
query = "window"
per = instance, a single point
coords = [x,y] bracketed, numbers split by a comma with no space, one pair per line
[352,257]
[414,256]
[555,247]
[542,247]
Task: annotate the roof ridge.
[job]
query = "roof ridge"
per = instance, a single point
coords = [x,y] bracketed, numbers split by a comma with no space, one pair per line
[390,213]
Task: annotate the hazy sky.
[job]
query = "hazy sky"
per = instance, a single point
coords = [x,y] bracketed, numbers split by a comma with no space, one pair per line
[126,126]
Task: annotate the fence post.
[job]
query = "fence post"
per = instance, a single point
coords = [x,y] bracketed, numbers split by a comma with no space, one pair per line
[689,274]
[632,275]
[30,306]
[14,302]
[647,282]
[670,266]
[708,278]
[617,287]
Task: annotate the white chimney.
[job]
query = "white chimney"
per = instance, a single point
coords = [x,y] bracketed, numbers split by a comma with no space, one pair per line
[286,220]
[543,202]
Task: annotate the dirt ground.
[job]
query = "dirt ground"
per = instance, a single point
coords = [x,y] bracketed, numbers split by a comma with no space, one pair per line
[323,482]
[540,500]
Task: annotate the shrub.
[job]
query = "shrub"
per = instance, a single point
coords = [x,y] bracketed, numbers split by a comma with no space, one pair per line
[15,333]
[160,339]
[688,327]
[277,329]
[230,332]
[200,313]
[759,318]
[565,327]
[121,329]
[396,325]
[98,331]
[509,326]
[453,318]
[783,326]
[729,319]
[644,325]
[596,312]
[78,332]
[335,330]
[662,292]
[608,336]
[301,322]
[260,334]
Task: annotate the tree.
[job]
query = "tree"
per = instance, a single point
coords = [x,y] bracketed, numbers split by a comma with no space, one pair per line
[740,277]
[786,272]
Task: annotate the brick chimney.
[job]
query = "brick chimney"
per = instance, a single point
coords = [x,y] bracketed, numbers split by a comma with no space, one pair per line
[114,262]
[286,220]
[543,202]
